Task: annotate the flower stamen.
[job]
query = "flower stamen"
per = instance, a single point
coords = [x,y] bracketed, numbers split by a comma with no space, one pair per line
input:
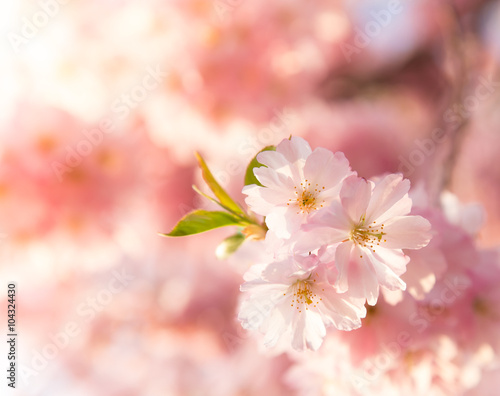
[303,294]
[307,197]
[369,236]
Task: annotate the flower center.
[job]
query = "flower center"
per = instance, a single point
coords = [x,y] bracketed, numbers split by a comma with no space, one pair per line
[307,197]
[367,236]
[303,294]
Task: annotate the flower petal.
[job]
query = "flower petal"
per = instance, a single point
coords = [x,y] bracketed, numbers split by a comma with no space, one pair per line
[342,261]
[255,201]
[326,169]
[355,196]
[278,163]
[388,266]
[395,259]
[333,217]
[250,314]
[406,232]
[308,241]
[343,312]
[389,198]
[308,331]
[277,223]
[270,178]
[276,325]
[294,149]
[273,159]
[284,221]
[280,271]
[262,286]
[356,273]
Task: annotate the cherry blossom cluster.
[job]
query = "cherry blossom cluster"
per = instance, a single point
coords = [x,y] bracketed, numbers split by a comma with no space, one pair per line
[334,238]
[329,239]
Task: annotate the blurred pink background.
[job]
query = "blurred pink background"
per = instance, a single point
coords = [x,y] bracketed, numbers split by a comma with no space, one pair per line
[105,102]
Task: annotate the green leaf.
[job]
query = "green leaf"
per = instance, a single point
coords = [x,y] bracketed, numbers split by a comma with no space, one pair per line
[244,218]
[201,221]
[229,245]
[212,200]
[224,198]
[249,176]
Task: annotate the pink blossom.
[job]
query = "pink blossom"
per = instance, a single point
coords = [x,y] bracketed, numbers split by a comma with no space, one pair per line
[368,229]
[293,298]
[297,182]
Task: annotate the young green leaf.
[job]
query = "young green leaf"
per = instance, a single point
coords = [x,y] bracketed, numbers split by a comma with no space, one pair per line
[249,176]
[229,245]
[196,189]
[219,192]
[203,220]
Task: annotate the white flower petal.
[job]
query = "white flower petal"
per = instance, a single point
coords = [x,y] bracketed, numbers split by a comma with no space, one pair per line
[326,169]
[255,201]
[275,196]
[316,237]
[261,286]
[395,259]
[284,221]
[355,196]
[294,149]
[276,325]
[333,217]
[273,159]
[280,271]
[343,311]
[389,198]
[250,316]
[406,232]
[270,178]
[284,303]
[356,272]
[309,331]
[385,275]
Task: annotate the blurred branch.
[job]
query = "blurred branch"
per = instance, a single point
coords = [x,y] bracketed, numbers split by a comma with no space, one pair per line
[456,132]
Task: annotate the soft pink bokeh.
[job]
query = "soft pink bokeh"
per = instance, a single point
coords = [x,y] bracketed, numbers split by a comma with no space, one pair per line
[154,316]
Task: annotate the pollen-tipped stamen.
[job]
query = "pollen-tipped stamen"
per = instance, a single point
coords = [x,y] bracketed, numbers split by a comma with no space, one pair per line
[303,294]
[367,237]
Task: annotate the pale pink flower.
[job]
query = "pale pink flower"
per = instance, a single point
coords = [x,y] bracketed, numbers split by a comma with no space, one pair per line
[367,230]
[297,182]
[293,298]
